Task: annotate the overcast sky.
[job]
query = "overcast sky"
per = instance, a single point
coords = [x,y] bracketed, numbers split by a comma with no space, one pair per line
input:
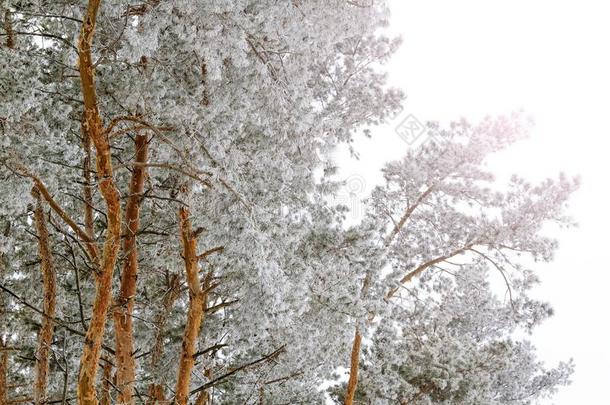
[552,59]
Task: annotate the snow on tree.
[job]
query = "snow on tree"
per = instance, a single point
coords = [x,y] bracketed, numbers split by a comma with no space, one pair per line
[166,238]
[440,208]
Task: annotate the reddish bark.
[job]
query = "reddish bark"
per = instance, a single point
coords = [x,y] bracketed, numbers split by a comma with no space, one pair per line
[45,336]
[123,320]
[196,308]
[106,383]
[156,392]
[156,395]
[87,188]
[90,357]
[352,384]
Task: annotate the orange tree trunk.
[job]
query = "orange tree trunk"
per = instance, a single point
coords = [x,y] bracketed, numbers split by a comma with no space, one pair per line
[107,380]
[93,126]
[87,187]
[352,384]
[45,335]
[195,311]
[123,321]
[156,392]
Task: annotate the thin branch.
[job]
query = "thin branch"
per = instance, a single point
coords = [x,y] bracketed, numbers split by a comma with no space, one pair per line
[45,35]
[209,349]
[407,215]
[421,268]
[502,272]
[217,380]
[92,250]
[56,320]
[210,252]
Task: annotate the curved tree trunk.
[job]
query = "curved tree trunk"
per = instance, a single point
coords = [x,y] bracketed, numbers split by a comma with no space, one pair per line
[93,126]
[45,336]
[123,321]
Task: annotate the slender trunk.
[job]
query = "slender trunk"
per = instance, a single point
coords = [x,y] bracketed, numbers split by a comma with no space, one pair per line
[156,392]
[87,188]
[3,346]
[261,395]
[352,384]
[123,321]
[45,336]
[156,395]
[93,126]
[3,372]
[8,27]
[204,397]
[106,383]
[195,311]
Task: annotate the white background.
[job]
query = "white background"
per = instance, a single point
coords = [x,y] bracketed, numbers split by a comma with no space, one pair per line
[552,59]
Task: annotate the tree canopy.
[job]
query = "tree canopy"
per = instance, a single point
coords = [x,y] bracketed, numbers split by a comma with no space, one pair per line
[168,232]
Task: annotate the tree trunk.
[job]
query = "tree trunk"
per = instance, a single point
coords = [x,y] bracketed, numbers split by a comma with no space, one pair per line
[204,396]
[93,126]
[106,383]
[156,391]
[3,372]
[8,28]
[352,384]
[3,346]
[195,311]
[87,187]
[45,336]
[123,321]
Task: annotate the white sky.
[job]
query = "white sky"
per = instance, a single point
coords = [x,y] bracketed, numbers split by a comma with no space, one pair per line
[472,58]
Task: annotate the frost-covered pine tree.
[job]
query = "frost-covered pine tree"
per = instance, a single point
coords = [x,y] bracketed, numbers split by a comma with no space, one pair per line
[166,236]
[169,149]
[441,224]
[453,341]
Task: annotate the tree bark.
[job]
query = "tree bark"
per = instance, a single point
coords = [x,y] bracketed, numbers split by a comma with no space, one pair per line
[352,383]
[156,395]
[204,396]
[195,310]
[3,346]
[3,372]
[90,357]
[87,188]
[123,321]
[156,392]
[45,336]
[106,381]
[8,27]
